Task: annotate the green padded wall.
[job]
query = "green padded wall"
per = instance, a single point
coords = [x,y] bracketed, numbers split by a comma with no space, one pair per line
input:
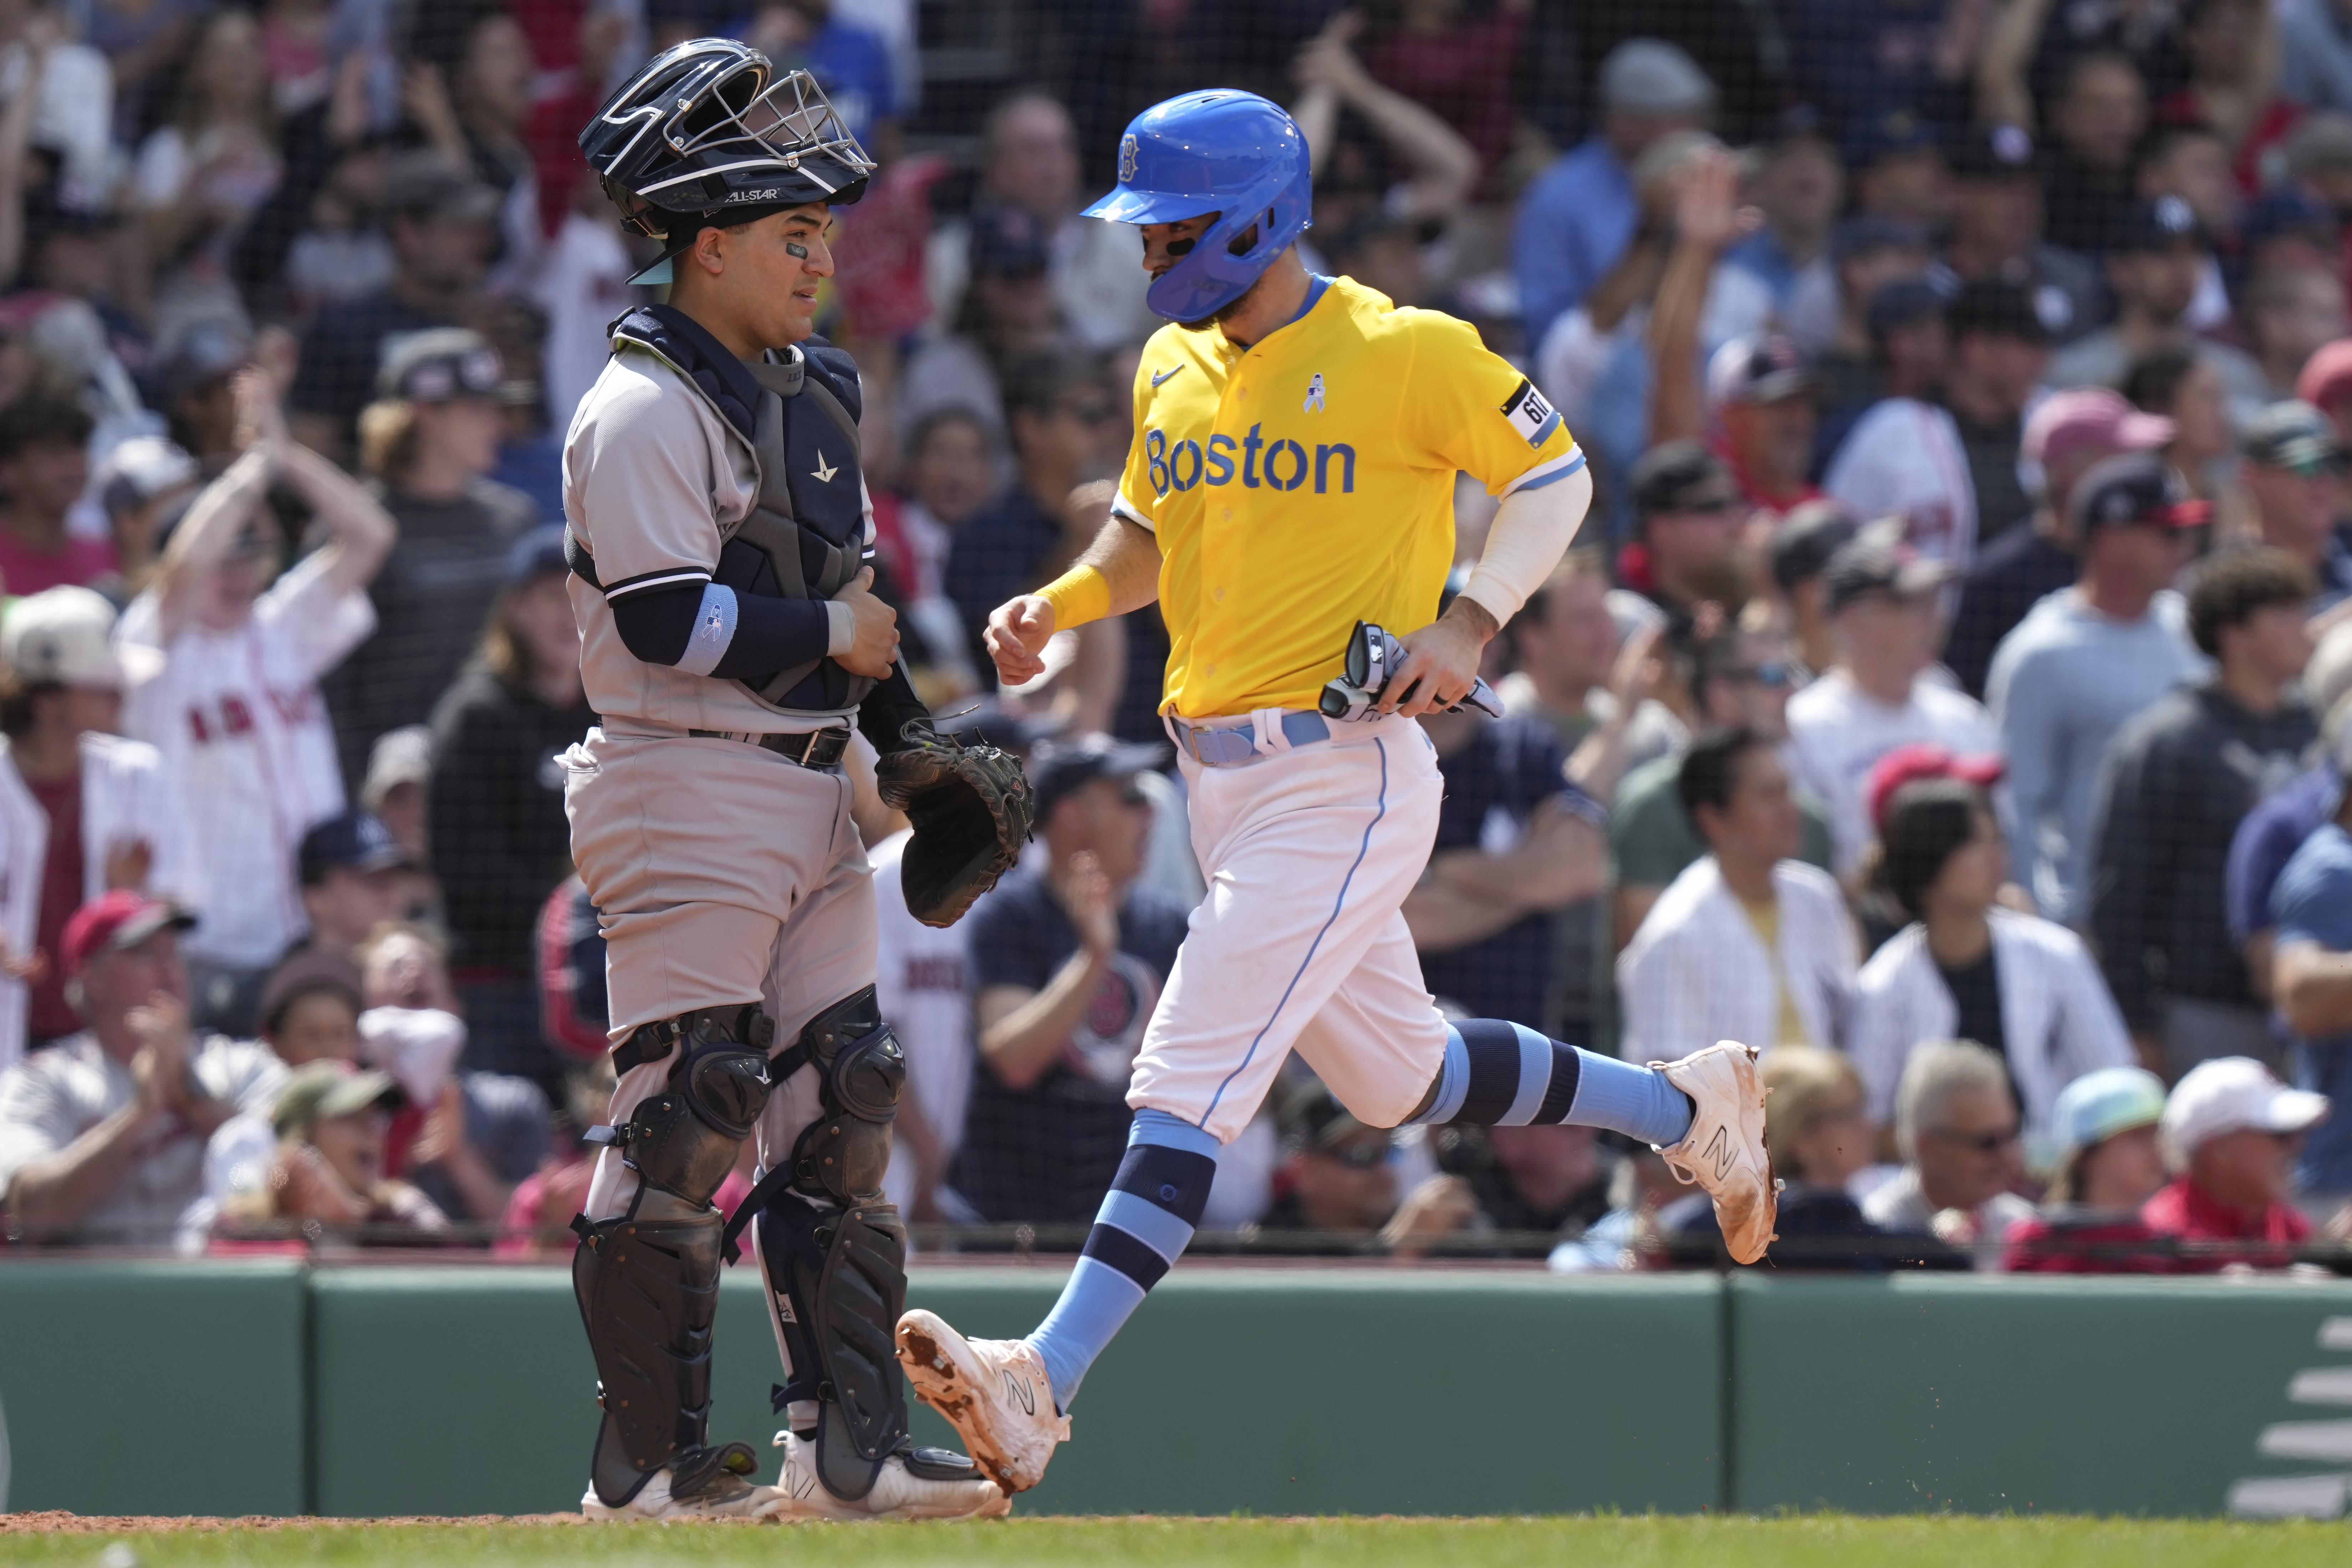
[163,1388]
[1934,1392]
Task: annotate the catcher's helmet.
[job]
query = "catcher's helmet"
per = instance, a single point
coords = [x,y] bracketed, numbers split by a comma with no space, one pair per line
[1222,150]
[706,133]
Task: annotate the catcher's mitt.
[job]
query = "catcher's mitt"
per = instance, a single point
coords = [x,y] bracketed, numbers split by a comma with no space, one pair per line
[971,807]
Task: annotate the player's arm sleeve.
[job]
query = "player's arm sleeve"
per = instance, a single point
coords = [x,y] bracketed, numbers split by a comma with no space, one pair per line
[1467,409]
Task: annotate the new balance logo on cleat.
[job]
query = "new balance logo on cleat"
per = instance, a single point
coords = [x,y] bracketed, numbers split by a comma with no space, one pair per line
[1720,1151]
[1018,1392]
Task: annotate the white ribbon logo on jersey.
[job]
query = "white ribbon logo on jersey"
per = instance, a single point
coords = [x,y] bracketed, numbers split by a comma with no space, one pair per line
[1315,394]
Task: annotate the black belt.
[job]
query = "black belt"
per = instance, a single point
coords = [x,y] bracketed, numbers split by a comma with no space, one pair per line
[810,749]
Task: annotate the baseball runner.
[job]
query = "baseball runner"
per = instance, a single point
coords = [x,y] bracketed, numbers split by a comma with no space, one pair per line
[718,535]
[1297,439]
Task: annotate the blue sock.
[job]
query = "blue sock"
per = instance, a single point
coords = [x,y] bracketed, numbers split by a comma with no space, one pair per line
[1498,1073]
[1144,1225]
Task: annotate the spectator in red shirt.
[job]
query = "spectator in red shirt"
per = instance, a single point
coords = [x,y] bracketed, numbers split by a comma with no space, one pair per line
[44,468]
[2110,1163]
[2231,1131]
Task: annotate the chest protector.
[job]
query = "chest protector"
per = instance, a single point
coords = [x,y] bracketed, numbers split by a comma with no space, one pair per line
[805,536]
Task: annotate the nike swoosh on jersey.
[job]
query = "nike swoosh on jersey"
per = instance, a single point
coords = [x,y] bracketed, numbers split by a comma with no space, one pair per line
[1160,375]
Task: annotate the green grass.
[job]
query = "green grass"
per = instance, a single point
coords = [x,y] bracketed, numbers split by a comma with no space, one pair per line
[1816,1542]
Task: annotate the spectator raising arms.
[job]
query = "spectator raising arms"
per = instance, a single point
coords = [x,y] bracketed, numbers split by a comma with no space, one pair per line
[234,705]
[2178,780]
[501,843]
[86,809]
[1748,944]
[1967,969]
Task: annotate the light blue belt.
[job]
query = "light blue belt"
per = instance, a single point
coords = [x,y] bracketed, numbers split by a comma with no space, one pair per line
[1231,746]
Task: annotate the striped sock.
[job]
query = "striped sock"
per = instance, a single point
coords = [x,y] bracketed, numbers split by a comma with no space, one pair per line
[1143,1227]
[1507,1075]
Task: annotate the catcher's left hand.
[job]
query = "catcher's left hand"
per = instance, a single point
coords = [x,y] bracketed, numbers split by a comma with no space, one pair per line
[971,807]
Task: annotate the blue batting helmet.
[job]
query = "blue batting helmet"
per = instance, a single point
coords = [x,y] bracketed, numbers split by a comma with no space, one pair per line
[1221,151]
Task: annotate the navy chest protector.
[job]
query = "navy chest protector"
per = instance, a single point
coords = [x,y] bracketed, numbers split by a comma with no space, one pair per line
[804,537]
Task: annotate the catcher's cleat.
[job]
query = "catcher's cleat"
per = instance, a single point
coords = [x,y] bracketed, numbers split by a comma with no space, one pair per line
[914,1483]
[994,1392]
[723,1494]
[1724,1151]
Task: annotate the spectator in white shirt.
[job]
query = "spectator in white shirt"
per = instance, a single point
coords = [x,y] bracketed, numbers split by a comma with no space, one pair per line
[102,1135]
[1748,943]
[1967,969]
[1881,600]
[1955,1126]
[234,705]
[81,810]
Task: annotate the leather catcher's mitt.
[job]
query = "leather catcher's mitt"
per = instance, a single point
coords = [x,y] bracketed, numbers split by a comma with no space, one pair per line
[971,807]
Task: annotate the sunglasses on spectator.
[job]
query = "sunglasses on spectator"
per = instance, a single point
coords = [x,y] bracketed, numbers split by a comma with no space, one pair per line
[1773,672]
[1982,1142]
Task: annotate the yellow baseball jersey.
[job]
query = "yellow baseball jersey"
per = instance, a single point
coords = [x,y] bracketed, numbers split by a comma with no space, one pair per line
[1307,482]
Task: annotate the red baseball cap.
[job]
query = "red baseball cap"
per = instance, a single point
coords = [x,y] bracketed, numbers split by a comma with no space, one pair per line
[112,922]
[2326,375]
[1924,760]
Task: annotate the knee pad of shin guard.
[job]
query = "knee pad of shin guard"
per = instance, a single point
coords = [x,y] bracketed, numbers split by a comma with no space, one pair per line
[840,1280]
[685,1139]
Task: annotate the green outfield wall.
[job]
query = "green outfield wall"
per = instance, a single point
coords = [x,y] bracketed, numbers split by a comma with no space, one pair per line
[268,1387]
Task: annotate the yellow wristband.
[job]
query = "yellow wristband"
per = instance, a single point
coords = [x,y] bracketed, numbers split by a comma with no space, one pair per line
[1078,595]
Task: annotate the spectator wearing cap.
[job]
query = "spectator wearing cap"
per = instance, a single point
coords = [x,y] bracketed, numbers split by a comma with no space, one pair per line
[1516,846]
[2231,1133]
[1340,1178]
[2327,384]
[2270,834]
[400,767]
[499,841]
[1997,233]
[1799,184]
[2159,255]
[1800,549]
[102,1135]
[1966,968]
[1068,955]
[349,867]
[1867,253]
[2311,966]
[1687,513]
[233,700]
[1740,678]
[1579,215]
[1007,315]
[1956,1130]
[443,225]
[1029,160]
[2068,433]
[429,442]
[44,468]
[2110,1163]
[2187,158]
[1881,598]
[1949,468]
[1748,943]
[333,1122]
[2178,780]
[81,809]
[139,483]
[190,383]
[2295,464]
[1761,394]
[2084,660]
[923,983]
[1896,161]
[2291,310]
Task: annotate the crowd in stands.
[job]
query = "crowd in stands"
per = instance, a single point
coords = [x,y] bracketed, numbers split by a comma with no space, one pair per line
[1950,691]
